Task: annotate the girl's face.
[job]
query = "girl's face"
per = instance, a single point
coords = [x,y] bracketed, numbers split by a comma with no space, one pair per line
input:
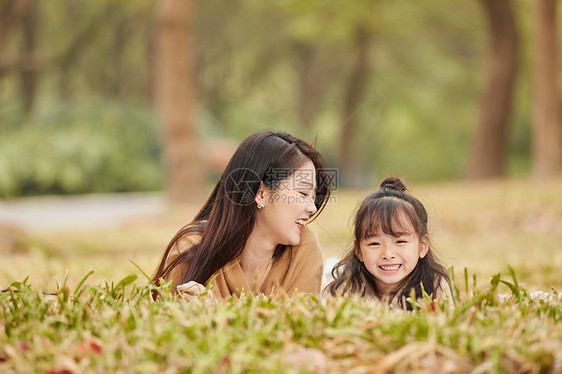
[288,207]
[390,258]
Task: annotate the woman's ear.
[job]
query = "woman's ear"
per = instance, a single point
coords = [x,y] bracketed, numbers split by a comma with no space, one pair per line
[357,250]
[424,245]
[261,195]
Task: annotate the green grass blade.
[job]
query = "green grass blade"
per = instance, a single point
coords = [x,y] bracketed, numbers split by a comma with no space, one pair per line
[143,273]
[81,283]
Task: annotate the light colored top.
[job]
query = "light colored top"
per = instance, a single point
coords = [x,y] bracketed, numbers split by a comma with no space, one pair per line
[297,269]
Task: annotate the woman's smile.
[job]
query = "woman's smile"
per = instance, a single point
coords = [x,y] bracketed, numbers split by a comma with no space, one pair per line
[301,222]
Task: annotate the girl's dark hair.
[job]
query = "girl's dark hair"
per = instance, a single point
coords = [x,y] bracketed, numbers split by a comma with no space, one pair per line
[381,210]
[227,218]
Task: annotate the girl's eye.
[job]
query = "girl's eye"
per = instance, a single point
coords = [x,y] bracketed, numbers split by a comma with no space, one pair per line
[401,241]
[373,244]
[305,194]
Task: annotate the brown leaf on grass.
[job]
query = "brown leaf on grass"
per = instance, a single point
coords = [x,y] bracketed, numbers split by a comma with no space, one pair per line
[431,306]
[88,346]
[223,365]
[24,346]
[423,357]
[58,371]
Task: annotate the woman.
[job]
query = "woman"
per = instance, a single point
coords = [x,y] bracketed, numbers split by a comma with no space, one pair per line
[251,234]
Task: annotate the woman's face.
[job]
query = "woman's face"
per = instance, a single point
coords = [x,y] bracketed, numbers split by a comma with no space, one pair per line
[288,207]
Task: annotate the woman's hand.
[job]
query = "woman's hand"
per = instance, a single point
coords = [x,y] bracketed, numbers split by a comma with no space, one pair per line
[192,290]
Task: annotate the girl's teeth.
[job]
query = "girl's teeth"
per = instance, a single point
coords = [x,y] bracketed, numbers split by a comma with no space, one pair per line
[394,267]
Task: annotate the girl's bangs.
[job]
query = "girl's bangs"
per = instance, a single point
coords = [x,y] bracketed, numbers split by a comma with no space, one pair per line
[387,215]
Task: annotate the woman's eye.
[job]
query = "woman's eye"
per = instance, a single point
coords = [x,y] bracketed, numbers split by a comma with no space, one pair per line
[305,194]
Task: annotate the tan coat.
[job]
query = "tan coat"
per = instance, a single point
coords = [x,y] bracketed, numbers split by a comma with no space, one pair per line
[299,269]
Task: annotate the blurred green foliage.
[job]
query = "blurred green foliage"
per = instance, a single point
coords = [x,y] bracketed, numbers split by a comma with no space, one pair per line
[81,147]
[281,65]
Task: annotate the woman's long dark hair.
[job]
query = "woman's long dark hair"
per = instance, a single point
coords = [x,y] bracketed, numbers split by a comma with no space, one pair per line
[381,210]
[228,217]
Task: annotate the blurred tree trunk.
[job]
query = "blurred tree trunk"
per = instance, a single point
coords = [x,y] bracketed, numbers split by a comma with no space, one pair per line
[120,37]
[151,48]
[308,89]
[489,145]
[29,76]
[68,59]
[547,130]
[10,13]
[173,90]
[356,84]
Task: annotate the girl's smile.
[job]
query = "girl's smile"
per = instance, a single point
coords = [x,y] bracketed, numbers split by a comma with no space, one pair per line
[391,258]
[390,268]
[391,255]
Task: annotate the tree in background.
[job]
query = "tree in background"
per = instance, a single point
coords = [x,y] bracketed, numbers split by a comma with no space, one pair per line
[368,79]
[29,76]
[11,12]
[352,95]
[488,153]
[174,86]
[547,130]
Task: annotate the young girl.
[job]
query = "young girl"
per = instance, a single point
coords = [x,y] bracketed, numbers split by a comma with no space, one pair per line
[391,251]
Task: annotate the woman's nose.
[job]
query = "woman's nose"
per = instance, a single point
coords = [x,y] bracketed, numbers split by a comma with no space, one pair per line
[310,207]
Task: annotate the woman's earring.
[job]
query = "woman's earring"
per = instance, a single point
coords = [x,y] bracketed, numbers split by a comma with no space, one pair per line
[261,204]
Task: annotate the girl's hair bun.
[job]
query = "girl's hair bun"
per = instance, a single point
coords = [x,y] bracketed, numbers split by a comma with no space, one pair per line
[393,183]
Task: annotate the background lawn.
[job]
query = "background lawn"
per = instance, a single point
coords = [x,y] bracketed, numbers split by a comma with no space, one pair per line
[481,226]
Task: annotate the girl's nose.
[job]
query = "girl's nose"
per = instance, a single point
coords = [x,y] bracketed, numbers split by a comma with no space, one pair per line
[388,253]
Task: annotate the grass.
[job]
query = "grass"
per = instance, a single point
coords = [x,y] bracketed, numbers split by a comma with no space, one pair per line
[117,328]
[498,323]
